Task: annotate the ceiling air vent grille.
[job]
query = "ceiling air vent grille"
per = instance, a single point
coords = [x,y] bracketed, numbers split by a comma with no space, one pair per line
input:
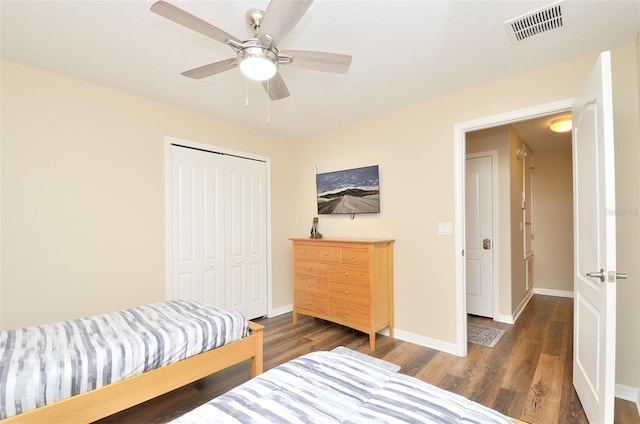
[538,22]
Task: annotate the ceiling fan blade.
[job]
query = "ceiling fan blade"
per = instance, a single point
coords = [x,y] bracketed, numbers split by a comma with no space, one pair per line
[319,61]
[190,21]
[211,69]
[276,88]
[281,16]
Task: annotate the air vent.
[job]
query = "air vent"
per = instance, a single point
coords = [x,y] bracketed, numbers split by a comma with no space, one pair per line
[538,22]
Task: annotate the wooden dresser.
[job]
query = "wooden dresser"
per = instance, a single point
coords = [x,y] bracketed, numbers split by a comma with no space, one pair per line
[349,282]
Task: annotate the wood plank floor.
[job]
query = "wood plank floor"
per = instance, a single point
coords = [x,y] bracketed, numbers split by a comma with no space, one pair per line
[527,375]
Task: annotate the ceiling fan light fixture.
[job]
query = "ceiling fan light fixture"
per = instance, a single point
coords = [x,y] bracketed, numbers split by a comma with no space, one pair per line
[561,125]
[258,63]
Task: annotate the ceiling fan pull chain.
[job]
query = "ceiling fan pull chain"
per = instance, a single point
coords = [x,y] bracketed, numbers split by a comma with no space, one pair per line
[246,92]
[268,103]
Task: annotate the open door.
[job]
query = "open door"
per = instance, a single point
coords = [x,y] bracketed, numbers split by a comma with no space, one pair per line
[594,245]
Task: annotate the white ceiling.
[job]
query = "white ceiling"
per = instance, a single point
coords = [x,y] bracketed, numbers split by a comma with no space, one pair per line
[404,52]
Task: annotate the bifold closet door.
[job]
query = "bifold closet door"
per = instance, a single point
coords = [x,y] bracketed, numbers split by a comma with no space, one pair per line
[246,236]
[197,226]
[218,230]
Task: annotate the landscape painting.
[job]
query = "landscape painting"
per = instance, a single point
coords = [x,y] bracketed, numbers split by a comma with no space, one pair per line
[349,192]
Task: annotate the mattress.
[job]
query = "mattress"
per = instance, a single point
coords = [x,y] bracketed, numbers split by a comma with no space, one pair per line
[43,364]
[341,386]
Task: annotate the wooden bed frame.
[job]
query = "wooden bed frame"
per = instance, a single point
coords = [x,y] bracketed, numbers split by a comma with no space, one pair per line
[123,394]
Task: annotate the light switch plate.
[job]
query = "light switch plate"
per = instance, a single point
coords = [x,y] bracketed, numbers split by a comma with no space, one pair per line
[444,228]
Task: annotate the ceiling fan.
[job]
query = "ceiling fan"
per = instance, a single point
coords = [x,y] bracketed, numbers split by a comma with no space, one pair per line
[259,58]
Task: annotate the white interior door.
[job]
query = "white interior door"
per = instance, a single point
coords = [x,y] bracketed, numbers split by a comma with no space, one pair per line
[594,245]
[479,234]
[246,243]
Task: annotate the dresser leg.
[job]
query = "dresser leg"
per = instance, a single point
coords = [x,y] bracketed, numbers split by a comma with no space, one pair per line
[295,318]
[372,341]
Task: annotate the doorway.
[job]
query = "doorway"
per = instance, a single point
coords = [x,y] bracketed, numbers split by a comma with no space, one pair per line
[460,132]
[526,153]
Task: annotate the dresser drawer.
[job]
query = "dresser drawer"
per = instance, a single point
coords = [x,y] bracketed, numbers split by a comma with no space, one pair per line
[314,303]
[328,254]
[348,274]
[349,293]
[304,251]
[355,256]
[351,313]
[311,269]
[311,285]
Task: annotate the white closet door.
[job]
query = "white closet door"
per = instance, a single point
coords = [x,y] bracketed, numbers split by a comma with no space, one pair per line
[197,250]
[218,226]
[246,259]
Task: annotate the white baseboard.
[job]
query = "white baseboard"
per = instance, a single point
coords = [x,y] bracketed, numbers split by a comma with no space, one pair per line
[551,292]
[511,319]
[280,311]
[631,394]
[399,334]
[422,341]
[505,319]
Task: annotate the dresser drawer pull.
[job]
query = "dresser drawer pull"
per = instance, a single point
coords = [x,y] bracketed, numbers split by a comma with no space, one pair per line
[304,252]
[326,253]
[308,303]
[353,256]
[346,292]
[346,274]
[309,285]
[346,312]
[309,268]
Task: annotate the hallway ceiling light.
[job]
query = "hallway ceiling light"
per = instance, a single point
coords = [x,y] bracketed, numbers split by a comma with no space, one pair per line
[561,125]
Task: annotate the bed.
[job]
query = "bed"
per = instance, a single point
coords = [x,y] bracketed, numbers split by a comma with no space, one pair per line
[340,386]
[85,369]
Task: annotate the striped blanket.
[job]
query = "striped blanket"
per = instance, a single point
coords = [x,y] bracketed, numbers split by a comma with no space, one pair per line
[43,364]
[341,386]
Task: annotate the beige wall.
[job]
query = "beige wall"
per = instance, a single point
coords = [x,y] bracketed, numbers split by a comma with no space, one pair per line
[553,220]
[414,148]
[100,238]
[83,222]
[627,156]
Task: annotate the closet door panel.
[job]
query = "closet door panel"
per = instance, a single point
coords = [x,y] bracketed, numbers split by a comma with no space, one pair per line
[198,249]
[246,236]
[213,272]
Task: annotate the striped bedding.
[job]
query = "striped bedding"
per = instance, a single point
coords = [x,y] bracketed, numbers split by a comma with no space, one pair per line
[42,364]
[341,386]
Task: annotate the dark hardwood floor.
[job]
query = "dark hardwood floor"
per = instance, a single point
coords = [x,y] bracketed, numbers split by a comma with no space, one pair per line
[527,375]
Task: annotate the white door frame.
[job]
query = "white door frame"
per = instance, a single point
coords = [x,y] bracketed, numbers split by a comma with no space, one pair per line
[459,154]
[493,154]
[168,141]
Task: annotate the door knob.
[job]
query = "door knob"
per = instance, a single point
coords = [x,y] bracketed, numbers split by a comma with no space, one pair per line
[612,275]
[599,275]
[486,244]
